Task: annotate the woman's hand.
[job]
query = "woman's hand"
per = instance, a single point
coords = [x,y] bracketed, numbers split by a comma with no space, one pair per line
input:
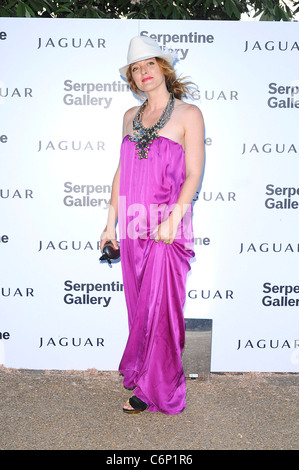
[166,231]
[108,234]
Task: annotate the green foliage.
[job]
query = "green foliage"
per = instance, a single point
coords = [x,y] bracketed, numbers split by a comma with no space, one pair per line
[270,10]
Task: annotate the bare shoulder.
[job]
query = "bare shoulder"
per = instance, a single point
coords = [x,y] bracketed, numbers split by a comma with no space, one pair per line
[190,120]
[128,120]
[130,114]
[189,112]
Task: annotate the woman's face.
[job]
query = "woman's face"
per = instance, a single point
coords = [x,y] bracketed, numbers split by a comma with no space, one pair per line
[147,74]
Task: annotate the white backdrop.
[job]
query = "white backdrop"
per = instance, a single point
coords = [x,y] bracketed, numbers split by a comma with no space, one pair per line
[61,107]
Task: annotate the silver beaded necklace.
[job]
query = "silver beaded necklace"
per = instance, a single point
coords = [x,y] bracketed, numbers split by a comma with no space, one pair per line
[144,136]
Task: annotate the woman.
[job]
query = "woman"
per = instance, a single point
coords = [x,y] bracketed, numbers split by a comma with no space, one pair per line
[160,169]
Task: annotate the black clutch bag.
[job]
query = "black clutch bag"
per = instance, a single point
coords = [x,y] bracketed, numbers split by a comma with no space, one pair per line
[109,252]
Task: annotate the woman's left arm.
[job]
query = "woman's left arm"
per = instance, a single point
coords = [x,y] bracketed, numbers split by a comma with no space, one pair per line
[194,160]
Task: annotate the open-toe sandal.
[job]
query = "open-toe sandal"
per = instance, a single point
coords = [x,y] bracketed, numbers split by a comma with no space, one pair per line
[137,405]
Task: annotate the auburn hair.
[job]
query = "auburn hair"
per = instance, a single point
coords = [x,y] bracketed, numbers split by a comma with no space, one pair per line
[178,86]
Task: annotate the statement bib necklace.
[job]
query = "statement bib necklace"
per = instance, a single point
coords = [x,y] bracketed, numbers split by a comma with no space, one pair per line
[144,136]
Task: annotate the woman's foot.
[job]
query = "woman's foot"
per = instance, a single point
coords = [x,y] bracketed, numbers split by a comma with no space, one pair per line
[134,405]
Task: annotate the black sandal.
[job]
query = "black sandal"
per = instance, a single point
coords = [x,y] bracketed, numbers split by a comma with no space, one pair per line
[130,388]
[137,405]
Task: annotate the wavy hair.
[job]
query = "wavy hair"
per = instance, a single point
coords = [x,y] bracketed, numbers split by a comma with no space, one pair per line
[178,86]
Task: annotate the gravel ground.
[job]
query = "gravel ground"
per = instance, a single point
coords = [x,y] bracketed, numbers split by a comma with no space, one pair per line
[82,410]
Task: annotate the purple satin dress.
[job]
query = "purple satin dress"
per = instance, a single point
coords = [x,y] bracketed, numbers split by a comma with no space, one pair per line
[154,274]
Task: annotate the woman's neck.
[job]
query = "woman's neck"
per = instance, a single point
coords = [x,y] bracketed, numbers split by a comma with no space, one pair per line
[157,100]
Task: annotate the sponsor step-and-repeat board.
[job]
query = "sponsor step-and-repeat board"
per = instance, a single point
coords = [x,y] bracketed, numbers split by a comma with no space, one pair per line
[62,102]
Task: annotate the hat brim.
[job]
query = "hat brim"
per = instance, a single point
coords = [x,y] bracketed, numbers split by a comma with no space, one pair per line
[168,57]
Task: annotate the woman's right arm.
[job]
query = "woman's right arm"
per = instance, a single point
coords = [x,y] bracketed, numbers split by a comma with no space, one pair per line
[109,232]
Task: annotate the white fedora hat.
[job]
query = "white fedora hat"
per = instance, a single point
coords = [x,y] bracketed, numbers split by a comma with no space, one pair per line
[142,48]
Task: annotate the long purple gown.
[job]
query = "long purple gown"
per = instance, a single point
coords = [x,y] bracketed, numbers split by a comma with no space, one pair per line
[154,274]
